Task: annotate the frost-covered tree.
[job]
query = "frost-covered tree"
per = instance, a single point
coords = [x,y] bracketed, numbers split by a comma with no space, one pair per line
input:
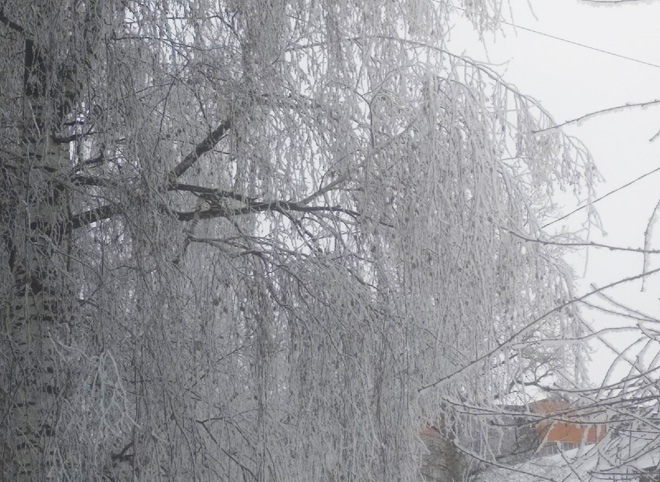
[627,400]
[265,240]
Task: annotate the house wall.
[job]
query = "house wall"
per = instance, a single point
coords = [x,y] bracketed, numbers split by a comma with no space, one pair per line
[575,433]
[511,438]
[561,433]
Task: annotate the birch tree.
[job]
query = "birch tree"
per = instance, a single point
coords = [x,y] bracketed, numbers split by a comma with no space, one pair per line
[266,241]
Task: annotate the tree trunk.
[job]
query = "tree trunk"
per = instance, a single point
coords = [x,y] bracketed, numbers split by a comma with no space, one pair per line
[35,204]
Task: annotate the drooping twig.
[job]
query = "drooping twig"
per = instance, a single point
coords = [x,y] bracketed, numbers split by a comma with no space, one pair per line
[598,112]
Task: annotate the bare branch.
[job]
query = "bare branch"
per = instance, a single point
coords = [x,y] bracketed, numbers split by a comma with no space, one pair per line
[532,324]
[590,244]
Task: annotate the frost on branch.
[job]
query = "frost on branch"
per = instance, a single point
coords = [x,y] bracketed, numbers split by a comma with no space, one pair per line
[293,234]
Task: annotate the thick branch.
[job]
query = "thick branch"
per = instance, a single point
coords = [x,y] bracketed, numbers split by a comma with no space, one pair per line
[92,216]
[12,25]
[200,149]
[209,193]
[80,180]
[105,212]
[254,207]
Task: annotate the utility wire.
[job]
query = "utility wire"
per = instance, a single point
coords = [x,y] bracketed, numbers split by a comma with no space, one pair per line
[607,52]
[572,42]
[603,197]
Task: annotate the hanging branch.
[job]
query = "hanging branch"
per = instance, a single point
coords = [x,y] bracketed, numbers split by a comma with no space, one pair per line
[608,110]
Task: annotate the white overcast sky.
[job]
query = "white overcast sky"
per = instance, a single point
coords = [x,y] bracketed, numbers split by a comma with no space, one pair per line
[571,81]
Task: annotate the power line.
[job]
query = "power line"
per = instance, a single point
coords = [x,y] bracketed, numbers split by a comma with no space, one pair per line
[572,42]
[603,196]
[606,52]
